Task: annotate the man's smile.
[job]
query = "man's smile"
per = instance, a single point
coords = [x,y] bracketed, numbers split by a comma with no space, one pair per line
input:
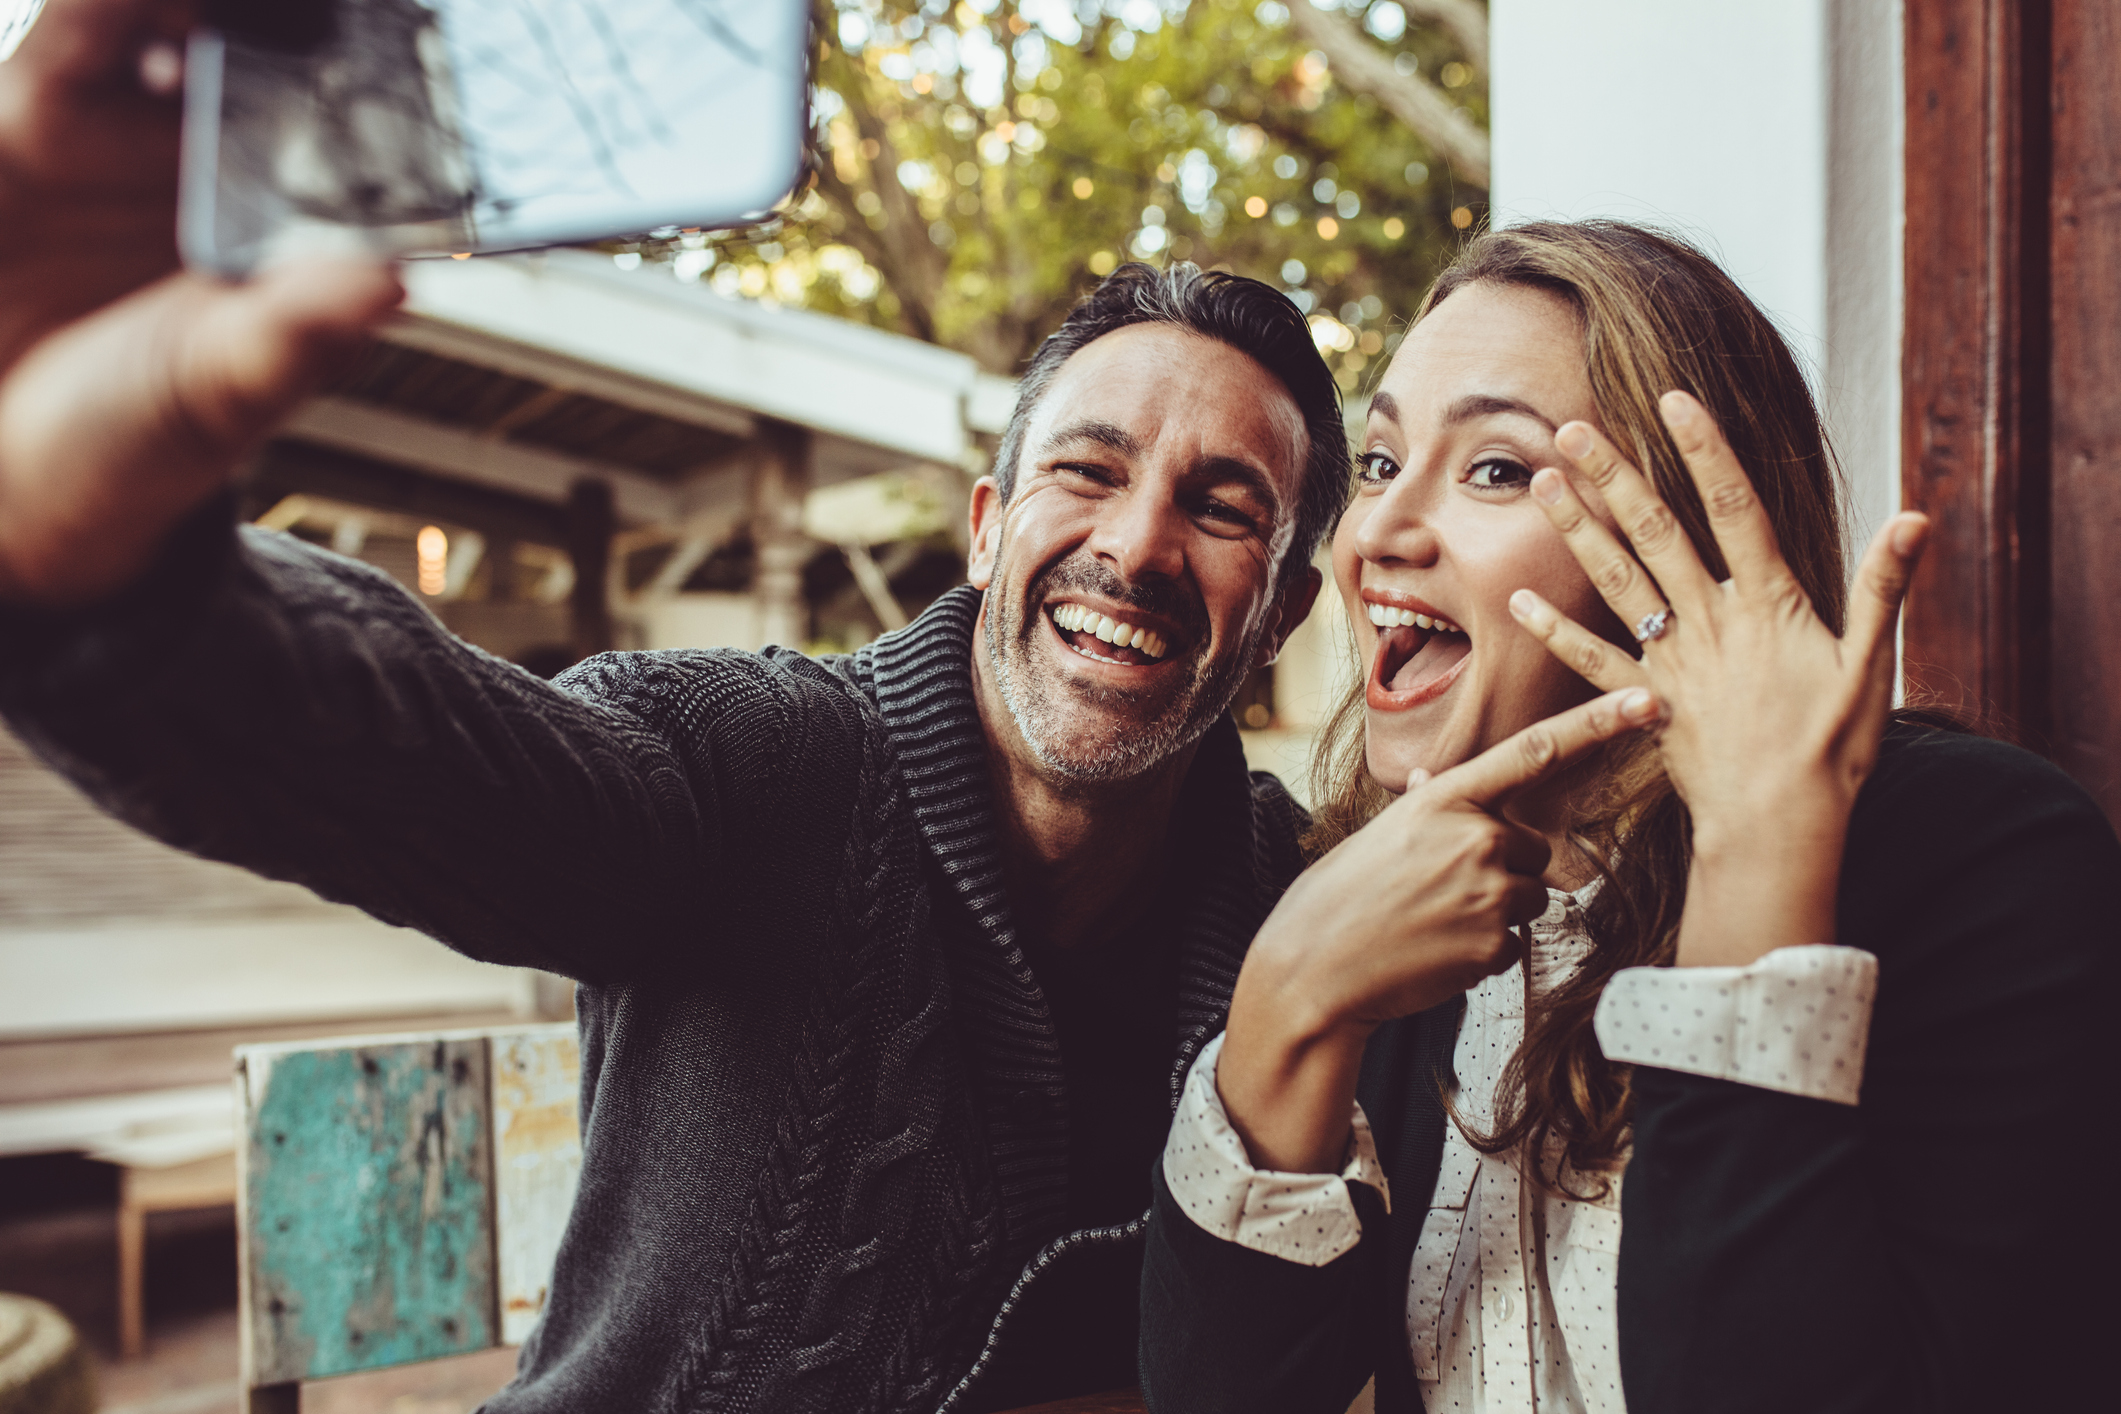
[1127,638]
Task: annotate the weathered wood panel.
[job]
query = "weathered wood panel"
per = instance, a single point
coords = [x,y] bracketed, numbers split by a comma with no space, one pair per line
[537,1146]
[2087,396]
[368,1193]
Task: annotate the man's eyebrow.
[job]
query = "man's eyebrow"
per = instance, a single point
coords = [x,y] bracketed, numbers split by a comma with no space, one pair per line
[1228,469]
[1219,470]
[1105,434]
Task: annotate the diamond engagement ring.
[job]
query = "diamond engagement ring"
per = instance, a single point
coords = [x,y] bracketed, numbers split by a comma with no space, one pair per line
[1653,626]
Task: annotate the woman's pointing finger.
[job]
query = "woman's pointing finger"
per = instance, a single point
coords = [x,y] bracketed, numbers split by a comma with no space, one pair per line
[1540,750]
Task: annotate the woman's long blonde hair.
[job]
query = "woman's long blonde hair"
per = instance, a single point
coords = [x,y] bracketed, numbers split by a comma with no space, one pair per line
[1656,315]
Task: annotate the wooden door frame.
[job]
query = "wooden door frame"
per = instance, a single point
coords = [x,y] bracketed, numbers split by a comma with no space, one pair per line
[1974,358]
[2011,356]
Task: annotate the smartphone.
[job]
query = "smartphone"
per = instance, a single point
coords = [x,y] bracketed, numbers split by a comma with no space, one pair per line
[453,127]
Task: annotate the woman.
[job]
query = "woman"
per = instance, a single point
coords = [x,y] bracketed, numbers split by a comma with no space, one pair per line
[1635,1156]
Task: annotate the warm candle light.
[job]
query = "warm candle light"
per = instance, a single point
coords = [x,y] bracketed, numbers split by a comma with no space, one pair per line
[433,548]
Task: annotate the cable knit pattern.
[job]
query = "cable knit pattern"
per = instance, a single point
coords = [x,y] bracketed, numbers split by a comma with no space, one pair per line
[824,1125]
[782,1330]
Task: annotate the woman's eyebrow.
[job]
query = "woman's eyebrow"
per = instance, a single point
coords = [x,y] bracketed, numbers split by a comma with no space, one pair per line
[1467,408]
[1474,405]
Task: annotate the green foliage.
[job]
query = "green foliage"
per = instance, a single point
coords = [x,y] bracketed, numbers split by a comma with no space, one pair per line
[981,164]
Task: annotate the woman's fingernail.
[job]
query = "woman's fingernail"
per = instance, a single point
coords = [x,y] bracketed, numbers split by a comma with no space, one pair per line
[1523,603]
[1639,706]
[1546,487]
[1574,439]
[1909,534]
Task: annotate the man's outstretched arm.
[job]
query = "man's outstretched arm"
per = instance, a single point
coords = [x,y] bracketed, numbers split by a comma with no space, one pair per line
[259,701]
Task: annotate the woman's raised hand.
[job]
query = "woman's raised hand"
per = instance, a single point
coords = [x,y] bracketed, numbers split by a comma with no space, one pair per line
[1774,721]
[1409,910]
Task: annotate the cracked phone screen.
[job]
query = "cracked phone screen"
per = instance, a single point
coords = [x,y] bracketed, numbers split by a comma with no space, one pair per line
[429,127]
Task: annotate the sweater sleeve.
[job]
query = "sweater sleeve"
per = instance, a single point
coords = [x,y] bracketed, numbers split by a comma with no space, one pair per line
[1934,1246]
[259,701]
[1229,1330]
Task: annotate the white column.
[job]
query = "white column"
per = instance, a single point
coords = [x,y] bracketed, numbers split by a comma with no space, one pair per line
[1769,132]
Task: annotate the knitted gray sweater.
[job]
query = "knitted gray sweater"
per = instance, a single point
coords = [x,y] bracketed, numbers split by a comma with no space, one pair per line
[826,1143]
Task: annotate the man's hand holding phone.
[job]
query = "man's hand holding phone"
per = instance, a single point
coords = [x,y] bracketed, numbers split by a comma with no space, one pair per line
[129,391]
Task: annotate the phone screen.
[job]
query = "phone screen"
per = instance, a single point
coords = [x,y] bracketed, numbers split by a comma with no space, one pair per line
[433,127]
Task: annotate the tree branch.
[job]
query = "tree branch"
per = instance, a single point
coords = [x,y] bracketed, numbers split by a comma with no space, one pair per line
[913,265]
[1466,21]
[1412,99]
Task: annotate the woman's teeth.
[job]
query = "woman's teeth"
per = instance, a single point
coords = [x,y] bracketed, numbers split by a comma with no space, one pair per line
[1074,618]
[1385,616]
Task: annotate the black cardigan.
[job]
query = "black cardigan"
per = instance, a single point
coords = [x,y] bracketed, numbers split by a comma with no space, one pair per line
[824,1111]
[1945,1245]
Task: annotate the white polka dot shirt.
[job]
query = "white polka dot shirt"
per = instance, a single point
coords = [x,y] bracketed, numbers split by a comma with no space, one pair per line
[1510,1294]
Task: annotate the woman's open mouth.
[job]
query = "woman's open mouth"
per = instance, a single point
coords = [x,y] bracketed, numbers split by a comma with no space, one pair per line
[1416,662]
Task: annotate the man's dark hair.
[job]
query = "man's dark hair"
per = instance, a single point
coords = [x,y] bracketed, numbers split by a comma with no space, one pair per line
[1253,318]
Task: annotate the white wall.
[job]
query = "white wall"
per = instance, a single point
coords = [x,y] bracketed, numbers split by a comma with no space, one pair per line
[702,621]
[1768,131]
[163,975]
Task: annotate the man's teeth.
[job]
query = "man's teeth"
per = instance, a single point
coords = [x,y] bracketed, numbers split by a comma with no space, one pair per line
[1074,618]
[1385,616]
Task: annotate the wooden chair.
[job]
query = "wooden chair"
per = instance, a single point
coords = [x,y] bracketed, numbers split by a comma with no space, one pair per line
[399,1198]
[209,1182]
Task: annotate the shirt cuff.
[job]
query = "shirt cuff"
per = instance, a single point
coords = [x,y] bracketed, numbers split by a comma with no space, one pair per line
[1307,1218]
[1796,1020]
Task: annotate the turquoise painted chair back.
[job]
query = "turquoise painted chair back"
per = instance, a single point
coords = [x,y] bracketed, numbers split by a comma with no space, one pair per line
[400,1198]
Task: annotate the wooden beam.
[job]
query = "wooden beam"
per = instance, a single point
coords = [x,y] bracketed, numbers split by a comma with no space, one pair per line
[875,587]
[289,467]
[562,374]
[2085,469]
[830,375]
[527,411]
[590,523]
[469,456]
[780,480]
[1976,355]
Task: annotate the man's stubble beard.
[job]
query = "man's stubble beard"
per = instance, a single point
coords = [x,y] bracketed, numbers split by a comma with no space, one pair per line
[1051,722]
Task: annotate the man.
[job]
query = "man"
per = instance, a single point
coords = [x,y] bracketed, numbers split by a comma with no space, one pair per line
[891,963]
